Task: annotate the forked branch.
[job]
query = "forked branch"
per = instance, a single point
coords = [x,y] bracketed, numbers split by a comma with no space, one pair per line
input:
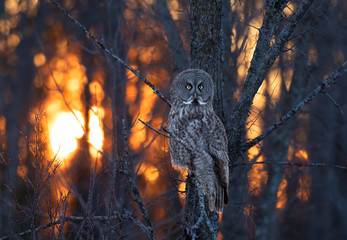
[320,89]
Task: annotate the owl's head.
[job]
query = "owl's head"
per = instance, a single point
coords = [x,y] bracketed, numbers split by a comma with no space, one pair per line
[192,86]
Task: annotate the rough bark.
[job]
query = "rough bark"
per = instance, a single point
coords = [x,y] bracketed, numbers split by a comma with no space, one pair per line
[264,56]
[206,53]
[206,45]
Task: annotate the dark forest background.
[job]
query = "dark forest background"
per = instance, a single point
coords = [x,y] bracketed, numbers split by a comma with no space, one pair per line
[76,163]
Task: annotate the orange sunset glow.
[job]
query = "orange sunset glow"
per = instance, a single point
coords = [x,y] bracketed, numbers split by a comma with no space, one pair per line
[66,129]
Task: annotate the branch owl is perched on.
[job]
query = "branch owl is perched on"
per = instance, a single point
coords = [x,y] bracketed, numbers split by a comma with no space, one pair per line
[193,120]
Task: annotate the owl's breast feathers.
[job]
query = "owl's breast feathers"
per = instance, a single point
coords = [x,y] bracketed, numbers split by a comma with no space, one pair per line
[201,129]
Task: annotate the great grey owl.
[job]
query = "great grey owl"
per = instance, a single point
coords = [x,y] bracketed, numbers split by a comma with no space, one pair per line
[203,144]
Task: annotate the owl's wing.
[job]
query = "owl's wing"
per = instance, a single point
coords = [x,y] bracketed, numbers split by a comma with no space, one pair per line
[218,146]
[180,156]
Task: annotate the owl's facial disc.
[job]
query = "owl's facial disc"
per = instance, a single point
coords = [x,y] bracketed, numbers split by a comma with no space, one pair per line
[195,91]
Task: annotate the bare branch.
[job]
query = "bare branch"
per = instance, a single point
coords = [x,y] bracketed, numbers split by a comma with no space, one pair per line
[296,164]
[152,128]
[333,101]
[127,215]
[62,219]
[320,89]
[134,189]
[111,54]
[264,57]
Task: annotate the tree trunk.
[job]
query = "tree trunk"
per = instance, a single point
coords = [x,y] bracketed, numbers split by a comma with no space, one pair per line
[206,45]
[206,53]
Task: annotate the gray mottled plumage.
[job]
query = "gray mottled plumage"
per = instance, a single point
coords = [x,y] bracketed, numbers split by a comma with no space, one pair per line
[193,120]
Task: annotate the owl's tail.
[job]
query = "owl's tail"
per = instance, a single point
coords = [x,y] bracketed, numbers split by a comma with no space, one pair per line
[213,186]
[220,198]
[216,193]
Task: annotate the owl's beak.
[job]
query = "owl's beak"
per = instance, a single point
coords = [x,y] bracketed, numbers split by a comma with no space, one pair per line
[195,98]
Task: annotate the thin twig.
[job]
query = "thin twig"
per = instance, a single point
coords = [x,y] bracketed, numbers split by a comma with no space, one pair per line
[137,196]
[296,164]
[111,54]
[155,130]
[133,218]
[125,216]
[334,102]
[62,219]
[320,89]
[90,194]
[111,195]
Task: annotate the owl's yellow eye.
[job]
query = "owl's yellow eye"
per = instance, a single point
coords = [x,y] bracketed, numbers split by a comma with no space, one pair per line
[201,87]
[188,86]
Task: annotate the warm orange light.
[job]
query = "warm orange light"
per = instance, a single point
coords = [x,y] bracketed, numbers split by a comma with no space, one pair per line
[151,173]
[96,91]
[175,10]
[289,9]
[220,219]
[2,124]
[305,181]
[304,188]
[183,173]
[66,74]
[13,40]
[248,209]
[39,59]
[273,86]
[22,171]
[182,189]
[219,236]
[65,132]
[73,84]
[302,155]
[4,27]
[96,134]
[139,136]
[281,194]
[257,175]
[12,6]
